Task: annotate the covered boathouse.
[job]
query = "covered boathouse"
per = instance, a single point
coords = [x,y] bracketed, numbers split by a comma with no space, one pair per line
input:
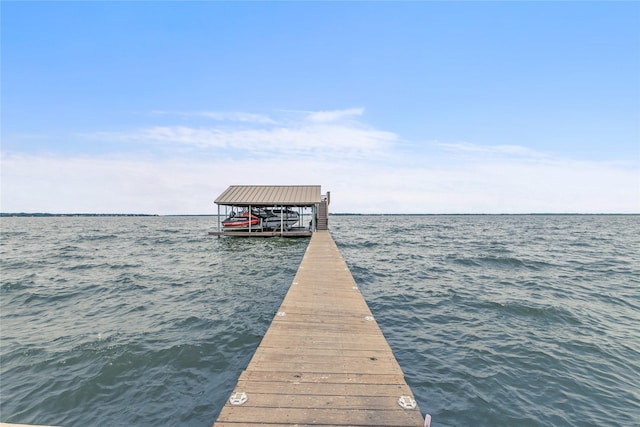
[271,210]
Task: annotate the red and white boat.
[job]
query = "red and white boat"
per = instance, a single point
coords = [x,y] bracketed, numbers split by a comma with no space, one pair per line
[241,222]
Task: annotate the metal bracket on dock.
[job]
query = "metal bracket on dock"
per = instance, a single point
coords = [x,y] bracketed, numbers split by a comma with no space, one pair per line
[238,398]
[281,313]
[407,402]
[368,318]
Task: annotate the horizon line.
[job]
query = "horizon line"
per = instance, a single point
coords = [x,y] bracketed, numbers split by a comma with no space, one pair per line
[50,214]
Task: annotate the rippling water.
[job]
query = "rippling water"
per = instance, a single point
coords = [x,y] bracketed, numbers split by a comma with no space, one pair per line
[495,320]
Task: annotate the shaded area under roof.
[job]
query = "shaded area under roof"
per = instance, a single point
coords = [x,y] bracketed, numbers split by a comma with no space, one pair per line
[270,195]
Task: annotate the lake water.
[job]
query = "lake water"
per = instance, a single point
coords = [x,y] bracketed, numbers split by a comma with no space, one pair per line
[496,320]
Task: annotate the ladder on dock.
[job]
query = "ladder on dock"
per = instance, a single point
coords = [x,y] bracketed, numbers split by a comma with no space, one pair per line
[324,360]
[323,215]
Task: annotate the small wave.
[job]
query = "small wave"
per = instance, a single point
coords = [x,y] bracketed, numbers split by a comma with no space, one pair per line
[468,262]
[83,266]
[547,314]
[98,237]
[19,284]
[42,299]
[124,266]
[501,262]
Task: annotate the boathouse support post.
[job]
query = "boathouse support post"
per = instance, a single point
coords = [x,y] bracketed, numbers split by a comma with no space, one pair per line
[314,214]
[218,219]
[281,220]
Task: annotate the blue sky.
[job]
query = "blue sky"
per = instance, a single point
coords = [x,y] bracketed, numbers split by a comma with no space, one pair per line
[407,107]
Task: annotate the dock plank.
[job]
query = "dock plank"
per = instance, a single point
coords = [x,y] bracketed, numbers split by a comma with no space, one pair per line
[327,416]
[344,378]
[324,359]
[390,392]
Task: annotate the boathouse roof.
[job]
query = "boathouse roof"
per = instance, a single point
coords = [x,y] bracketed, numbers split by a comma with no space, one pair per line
[270,195]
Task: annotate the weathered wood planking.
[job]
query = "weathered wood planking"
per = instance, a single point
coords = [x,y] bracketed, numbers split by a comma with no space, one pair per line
[324,360]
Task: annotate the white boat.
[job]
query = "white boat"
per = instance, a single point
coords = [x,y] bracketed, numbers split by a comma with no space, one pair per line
[274,219]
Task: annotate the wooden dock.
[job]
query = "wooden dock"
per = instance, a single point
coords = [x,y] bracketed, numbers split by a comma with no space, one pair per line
[324,361]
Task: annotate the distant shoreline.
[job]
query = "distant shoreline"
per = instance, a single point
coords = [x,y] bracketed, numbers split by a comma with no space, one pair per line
[54,215]
[482,214]
[42,214]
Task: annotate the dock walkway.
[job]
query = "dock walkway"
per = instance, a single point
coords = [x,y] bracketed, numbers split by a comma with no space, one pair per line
[324,360]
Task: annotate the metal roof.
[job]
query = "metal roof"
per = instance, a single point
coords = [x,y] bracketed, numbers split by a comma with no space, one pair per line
[270,195]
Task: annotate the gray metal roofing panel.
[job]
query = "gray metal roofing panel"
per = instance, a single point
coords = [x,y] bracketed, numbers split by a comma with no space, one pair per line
[270,195]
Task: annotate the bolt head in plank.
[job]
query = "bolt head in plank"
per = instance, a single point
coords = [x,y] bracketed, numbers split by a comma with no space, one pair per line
[238,398]
[407,402]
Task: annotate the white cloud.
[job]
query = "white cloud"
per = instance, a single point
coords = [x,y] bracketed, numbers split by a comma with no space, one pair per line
[181,186]
[361,166]
[510,150]
[320,137]
[220,116]
[499,186]
[332,116]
